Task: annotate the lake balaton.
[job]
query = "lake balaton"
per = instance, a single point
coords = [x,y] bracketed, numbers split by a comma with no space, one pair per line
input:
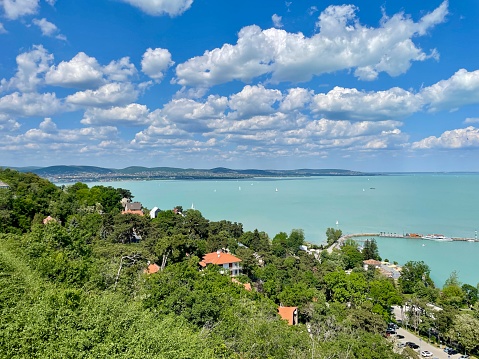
[414,203]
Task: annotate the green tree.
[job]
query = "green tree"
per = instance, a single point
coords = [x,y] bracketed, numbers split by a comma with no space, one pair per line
[333,235]
[415,273]
[370,250]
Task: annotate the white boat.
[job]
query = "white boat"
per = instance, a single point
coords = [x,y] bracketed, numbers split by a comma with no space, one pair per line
[437,237]
[276,190]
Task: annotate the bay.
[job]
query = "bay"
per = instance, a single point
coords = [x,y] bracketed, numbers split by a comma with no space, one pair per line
[414,203]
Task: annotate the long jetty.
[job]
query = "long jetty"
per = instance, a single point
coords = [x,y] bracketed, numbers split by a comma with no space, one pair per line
[397,235]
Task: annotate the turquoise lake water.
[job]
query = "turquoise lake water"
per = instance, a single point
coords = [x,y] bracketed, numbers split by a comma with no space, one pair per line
[422,203]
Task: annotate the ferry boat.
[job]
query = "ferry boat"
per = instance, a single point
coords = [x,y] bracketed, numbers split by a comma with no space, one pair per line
[437,237]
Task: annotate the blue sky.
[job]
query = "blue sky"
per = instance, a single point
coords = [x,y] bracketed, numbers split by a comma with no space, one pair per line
[366,85]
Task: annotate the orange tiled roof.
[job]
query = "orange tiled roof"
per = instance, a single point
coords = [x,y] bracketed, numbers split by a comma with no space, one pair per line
[218,258]
[246,286]
[287,313]
[372,262]
[152,268]
[133,211]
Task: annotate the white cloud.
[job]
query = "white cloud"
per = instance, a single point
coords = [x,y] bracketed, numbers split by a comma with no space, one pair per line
[296,99]
[155,62]
[48,28]
[455,139]
[29,66]
[8,124]
[82,71]
[2,29]
[161,7]
[277,21]
[120,70]
[460,89]
[51,2]
[342,43]
[131,115]
[347,103]
[30,104]
[15,9]
[112,94]
[253,101]
[470,120]
[50,139]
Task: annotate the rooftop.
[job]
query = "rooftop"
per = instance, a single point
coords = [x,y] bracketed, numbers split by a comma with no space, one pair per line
[218,258]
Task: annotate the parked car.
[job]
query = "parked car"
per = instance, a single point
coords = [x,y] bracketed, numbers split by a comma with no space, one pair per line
[390,331]
[426,353]
[399,336]
[464,356]
[450,351]
[401,345]
[412,345]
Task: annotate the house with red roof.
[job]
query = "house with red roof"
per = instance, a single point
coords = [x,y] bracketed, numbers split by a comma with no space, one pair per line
[371,263]
[289,313]
[228,262]
[133,208]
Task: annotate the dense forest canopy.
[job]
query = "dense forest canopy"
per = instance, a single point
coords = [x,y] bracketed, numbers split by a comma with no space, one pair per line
[73,285]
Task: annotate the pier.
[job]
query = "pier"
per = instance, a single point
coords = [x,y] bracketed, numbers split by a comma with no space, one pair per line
[410,236]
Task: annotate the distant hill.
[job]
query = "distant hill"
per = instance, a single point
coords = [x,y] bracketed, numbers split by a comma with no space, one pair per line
[91,173]
[70,170]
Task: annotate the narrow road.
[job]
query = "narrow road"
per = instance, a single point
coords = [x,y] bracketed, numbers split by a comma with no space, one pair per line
[423,345]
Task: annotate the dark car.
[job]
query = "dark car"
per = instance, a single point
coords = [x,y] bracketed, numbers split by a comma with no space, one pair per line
[412,345]
[450,351]
[399,336]
[390,331]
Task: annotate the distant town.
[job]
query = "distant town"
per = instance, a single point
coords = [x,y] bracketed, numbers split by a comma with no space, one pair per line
[64,174]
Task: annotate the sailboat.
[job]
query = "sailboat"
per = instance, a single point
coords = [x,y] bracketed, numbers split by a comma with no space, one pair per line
[276,190]
[337,222]
[192,206]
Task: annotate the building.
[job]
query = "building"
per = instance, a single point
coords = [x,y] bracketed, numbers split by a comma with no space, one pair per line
[133,208]
[154,212]
[49,219]
[246,286]
[152,268]
[289,313]
[227,261]
[4,185]
[371,263]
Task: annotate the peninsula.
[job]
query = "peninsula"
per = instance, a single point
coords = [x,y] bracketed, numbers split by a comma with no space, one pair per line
[100,174]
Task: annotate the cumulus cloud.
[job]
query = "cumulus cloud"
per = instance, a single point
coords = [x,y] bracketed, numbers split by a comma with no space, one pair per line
[48,29]
[82,71]
[111,94]
[30,66]
[460,89]
[349,103]
[30,104]
[121,70]
[48,137]
[471,120]
[296,99]
[161,7]
[341,43]
[15,9]
[277,21]
[454,139]
[131,115]
[8,124]
[253,101]
[155,62]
